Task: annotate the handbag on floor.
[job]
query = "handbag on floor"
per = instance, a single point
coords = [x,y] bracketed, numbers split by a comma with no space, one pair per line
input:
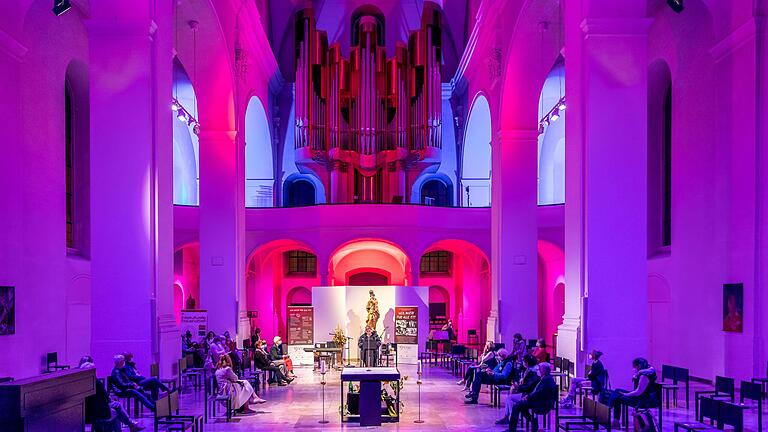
[643,421]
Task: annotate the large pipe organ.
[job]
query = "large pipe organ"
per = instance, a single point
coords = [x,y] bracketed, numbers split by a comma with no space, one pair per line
[367,126]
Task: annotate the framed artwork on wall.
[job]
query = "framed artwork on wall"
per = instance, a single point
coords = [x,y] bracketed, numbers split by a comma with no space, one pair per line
[733,308]
[7,310]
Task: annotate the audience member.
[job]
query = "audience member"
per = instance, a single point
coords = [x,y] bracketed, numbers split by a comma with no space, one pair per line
[123,383]
[540,351]
[256,336]
[104,410]
[519,390]
[262,361]
[518,348]
[642,395]
[540,401]
[153,385]
[215,351]
[280,358]
[487,361]
[597,378]
[500,375]
[240,392]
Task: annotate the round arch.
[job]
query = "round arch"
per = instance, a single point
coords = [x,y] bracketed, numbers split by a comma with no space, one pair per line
[476,155]
[551,140]
[417,196]
[551,288]
[290,185]
[186,144]
[259,163]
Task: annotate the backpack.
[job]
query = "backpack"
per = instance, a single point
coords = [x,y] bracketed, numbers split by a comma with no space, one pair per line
[643,421]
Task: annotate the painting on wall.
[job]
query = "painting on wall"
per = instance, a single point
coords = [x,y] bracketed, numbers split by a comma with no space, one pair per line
[733,308]
[7,311]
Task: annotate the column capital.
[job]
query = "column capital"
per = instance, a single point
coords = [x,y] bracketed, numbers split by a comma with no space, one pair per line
[615,26]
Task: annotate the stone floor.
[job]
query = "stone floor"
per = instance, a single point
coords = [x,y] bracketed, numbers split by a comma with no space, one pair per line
[298,406]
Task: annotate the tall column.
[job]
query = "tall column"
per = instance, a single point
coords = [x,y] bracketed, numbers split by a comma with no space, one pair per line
[514,233]
[606,197]
[131,186]
[222,210]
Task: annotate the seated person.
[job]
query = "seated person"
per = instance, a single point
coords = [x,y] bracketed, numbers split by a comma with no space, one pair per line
[540,351]
[487,361]
[519,390]
[597,378]
[643,395]
[500,375]
[262,361]
[122,382]
[369,343]
[153,385]
[216,349]
[103,411]
[280,357]
[518,348]
[230,346]
[541,400]
[240,392]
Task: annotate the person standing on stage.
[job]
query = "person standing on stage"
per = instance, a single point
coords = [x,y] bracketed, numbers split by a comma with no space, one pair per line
[369,344]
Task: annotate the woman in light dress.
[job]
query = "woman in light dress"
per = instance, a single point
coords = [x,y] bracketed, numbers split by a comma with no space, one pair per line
[240,392]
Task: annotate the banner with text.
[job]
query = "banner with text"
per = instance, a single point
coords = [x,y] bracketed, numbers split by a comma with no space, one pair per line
[301,325]
[196,321]
[406,325]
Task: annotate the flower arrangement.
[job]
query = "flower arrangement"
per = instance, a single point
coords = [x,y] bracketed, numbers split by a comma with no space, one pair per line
[340,339]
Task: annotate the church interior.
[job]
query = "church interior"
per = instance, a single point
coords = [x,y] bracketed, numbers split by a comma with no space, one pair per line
[246,215]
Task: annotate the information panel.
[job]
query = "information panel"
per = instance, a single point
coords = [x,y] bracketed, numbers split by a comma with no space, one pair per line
[406,325]
[195,321]
[301,325]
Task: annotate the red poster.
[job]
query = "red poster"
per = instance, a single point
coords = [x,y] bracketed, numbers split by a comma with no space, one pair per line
[301,325]
[407,324]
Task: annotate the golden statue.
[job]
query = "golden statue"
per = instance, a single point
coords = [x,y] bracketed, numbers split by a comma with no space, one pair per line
[373,311]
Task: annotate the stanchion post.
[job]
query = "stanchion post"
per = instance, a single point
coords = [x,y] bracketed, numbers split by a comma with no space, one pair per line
[322,382]
[418,383]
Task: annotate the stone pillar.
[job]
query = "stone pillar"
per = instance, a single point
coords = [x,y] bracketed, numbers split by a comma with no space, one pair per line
[606,192]
[514,231]
[131,187]
[222,257]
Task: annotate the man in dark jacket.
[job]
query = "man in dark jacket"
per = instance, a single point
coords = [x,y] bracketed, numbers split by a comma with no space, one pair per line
[153,385]
[103,411]
[122,382]
[596,378]
[526,386]
[369,343]
[263,362]
[540,401]
[500,375]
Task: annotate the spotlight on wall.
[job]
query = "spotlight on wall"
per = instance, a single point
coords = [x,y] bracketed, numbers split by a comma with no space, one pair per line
[676,5]
[182,116]
[174,106]
[561,106]
[61,6]
[555,115]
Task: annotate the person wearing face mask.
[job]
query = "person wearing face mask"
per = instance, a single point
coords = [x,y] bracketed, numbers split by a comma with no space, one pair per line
[597,378]
[540,401]
[642,394]
[524,387]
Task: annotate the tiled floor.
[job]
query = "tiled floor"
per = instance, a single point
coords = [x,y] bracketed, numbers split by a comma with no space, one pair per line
[298,406]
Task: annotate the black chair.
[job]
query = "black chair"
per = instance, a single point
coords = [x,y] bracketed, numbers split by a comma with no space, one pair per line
[725,388]
[52,363]
[653,403]
[762,381]
[586,386]
[669,383]
[154,372]
[191,373]
[709,409]
[213,398]
[125,398]
[593,415]
[731,414]
[753,391]
[164,416]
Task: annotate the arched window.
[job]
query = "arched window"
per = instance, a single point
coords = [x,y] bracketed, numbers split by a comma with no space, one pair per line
[660,105]
[435,192]
[70,177]
[77,159]
[300,192]
[551,157]
[186,153]
[476,156]
[259,172]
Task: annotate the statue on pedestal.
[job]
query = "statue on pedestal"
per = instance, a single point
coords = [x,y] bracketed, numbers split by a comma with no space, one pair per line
[372,308]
